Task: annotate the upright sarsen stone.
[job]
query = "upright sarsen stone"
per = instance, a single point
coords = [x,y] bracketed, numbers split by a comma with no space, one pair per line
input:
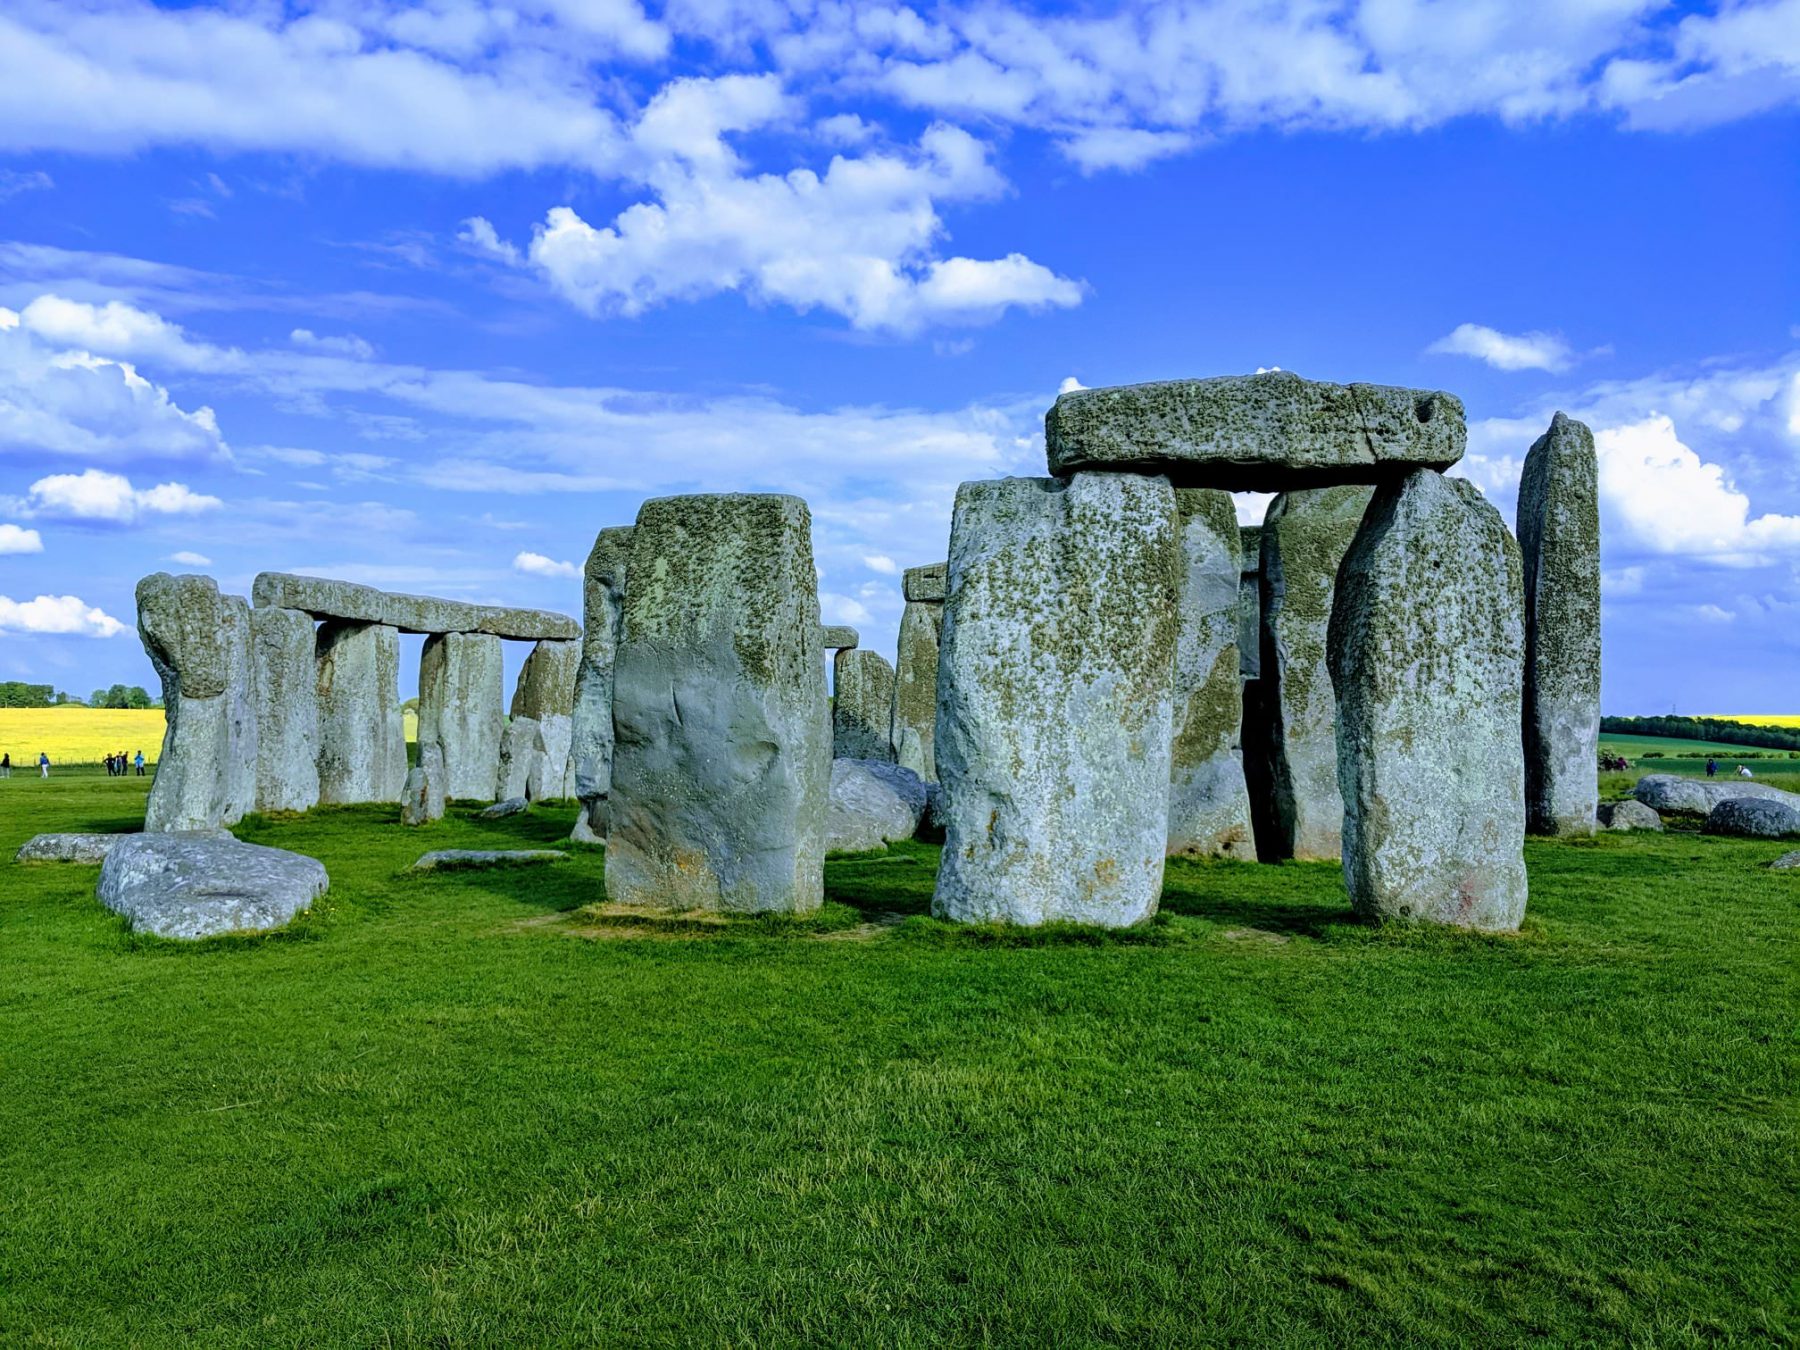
[283,652]
[1427,650]
[591,746]
[1056,699]
[545,693]
[1209,806]
[1250,602]
[861,707]
[913,726]
[461,702]
[1559,538]
[722,764]
[362,735]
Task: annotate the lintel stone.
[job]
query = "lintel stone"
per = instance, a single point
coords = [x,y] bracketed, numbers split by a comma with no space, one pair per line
[929,582]
[326,599]
[837,637]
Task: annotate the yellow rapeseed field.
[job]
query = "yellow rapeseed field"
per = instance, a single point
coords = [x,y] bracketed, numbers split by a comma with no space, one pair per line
[77,735]
[1757,719]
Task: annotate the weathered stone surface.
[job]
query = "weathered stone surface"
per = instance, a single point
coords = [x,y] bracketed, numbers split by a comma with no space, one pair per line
[546,694]
[1753,818]
[913,724]
[603,602]
[1209,807]
[928,583]
[1304,538]
[325,599]
[588,829]
[67,848]
[415,797]
[1559,539]
[1250,603]
[862,706]
[462,859]
[362,735]
[1698,796]
[199,642]
[460,704]
[512,806]
[283,659]
[838,637]
[1056,707]
[180,885]
[431,760]
[1264,433]
[520,745]
[873,803]
[723,762]
[1427,651]
[1623,816]
[1786,862]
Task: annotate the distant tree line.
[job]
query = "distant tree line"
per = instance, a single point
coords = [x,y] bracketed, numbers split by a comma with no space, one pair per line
[121,696]
[18,694]
[1705,729]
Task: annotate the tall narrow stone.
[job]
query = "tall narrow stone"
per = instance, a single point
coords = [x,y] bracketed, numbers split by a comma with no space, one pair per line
[1209,806]
[913,726]
[722,764]
[1427,650]
[362,735]
[545,693]
[1559,538]
[520,745]
[1250,602]
[862,705]
[1304,538]
[460,708]
[1056,701]
[199,642]
[591,744]
[283,654]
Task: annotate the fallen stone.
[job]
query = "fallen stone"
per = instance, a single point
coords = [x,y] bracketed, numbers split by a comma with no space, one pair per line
[512,806]
[179,885]
[1263,433]
[912,728]
[873,803]
[459,859]
[838,637]
[67,848]
[1753,818]
[362,734]
[284,668]
[929,583]
[519,748]
[1627,816]
[1786,862]
[325,599]
[861,706]
[546,694]
[603,602]
[460,709]
[585,831]
[1426,652]
[1057,705]
[1698,796]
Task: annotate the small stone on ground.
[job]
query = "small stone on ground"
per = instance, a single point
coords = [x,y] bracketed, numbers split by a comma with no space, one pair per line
[450,859]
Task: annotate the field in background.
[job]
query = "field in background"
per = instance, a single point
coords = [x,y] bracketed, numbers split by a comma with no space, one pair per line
[1756,720]
[77,735]
[1633,747]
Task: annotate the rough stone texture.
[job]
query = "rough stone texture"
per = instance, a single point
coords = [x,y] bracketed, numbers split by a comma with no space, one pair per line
[1250,603]
[460,859]
[591,732]
[1264,433]
[512,806]
[1304,538]
[723,762]
[460,705]
[67,848]
[362,736]
[1427,652]
[838,637]
[199,642]
[1624,816]
[1698,796]
[520,746]
[862,706]
[929,583]
[546,694]
[283,659]
[431,760]
[1753,818]
[912,727]
[587,829]
[415,798]
[1559,539]
[325,599]
[201,885]
[873,803]
[1209,806]
[1786,862]
[1056,706]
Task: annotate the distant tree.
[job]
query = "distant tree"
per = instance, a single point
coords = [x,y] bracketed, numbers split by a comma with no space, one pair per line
[120,696]
[17,694]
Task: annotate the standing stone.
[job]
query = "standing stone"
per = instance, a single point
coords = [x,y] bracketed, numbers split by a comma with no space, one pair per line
[520,746]
[362,735]
[723,757]
[431,763]
[862,706]
[913,726]
[283,655]
[1559,538]
[199,642]
[1056,699]
[1250,602]
[1427,652]
[461,699]
[415,797]
[1209,806]
[1304,538]
[546,694]
[591,740]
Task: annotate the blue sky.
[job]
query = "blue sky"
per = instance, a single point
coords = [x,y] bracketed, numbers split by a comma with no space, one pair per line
[424,295]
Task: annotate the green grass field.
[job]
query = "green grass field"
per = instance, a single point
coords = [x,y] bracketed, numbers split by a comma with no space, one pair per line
[473,1109]
[1633,746]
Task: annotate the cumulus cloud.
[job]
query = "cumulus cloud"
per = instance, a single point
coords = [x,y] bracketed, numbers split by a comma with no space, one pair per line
[537,565]
[97,495]
[880,562]
[188,558]
[16,539]
[1505,351]
[57,614]
[1122,147]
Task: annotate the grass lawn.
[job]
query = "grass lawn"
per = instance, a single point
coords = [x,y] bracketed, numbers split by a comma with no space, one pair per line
[472,1109]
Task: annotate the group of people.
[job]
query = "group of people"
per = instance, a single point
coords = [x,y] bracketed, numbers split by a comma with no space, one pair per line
[1712,768]
[118,766]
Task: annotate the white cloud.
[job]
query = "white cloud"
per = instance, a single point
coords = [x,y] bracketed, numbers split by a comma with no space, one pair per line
[57,614]
[347,344]
[15,181]
[880,562]
[1505,351]
[97,495]
[479,234]
[1123,147]
[835,608]
[536,564]
[1069,385]
[15,539]
[187,558]
[1252,507]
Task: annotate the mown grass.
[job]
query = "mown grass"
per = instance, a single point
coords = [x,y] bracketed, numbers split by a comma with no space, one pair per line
[485,1109]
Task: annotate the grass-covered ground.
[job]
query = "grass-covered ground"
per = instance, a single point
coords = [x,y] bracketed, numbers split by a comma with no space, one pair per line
[473,1109]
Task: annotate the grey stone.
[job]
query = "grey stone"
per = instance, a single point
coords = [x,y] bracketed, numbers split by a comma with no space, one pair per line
[1786,862]
[862,706]
[1209,806]
[1304,538]
[838,637]
[1559,539]
[460,708]
[283,658]
[520,746]
[1753,818]
[1698,796]
[1265,433]
[546,694]
[928,583]
[1427,651]
[415,798]
[463,859]
[512,806]
[1056,699]
[201,885]
[587,830]
[1623,816]
[325,599]
[362,734]
[431,761]
[1250,603]
[67,848]
[723,761]
[873,803]
[913,724]
[199,643]
[603,603]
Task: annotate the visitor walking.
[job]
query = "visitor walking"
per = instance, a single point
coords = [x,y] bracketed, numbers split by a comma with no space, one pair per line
[1712,768]
[43,765]
[6,765]
[140,764]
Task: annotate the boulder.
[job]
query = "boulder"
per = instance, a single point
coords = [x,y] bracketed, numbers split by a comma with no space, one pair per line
[1786,862]
[928,584]
[512,806]
[1056,701]
[873,803]
[591,728]
[182,885]
[1426,651]
[519,749]
[362,735]
[837,637]
[546,694]
[722,765]
[1624,816]
[1270,432]
[415,798]
[326,599]
[459,859]
[587,829]
[460,709]
[861,706]
[67,848]
[284,669]
[1698,796]
[912,727]
[1753,818]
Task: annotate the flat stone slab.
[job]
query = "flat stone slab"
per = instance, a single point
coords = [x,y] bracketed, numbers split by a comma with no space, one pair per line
[1259,433]
[1698,796]
[512,806]
[197,885]
[838,637]
[326,599]
[458,859]
[928,583]
[67,848]
[1753,818]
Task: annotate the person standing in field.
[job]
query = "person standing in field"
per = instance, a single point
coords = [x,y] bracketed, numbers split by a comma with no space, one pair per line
[43,765]
[140,764]
[6,765]
[1744,772]
[1712,768]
